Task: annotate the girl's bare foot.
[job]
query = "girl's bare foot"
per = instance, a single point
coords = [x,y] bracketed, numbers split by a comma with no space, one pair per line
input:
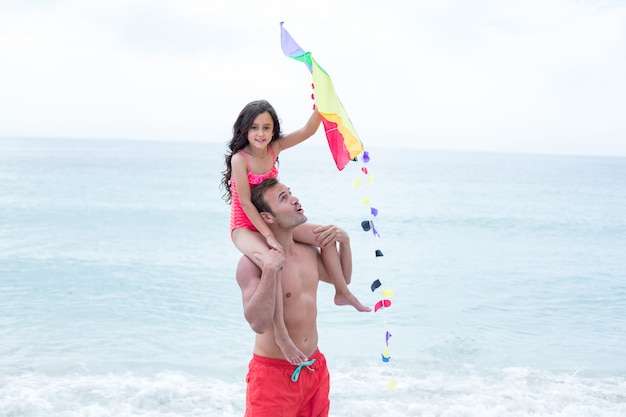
[292,354]
[348,299]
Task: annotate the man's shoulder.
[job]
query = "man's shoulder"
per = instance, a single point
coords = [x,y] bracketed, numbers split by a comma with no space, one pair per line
[307,254]
[306,248]
[246,266]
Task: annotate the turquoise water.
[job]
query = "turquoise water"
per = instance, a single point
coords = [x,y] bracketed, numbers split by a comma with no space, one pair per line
[117,295]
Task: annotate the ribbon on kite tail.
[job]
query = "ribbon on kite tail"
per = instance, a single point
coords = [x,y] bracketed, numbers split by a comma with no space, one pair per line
[343,140]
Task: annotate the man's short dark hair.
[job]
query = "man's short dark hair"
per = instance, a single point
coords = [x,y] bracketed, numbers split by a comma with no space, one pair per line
[257,195]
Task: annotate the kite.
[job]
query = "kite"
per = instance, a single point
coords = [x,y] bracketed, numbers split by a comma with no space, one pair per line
[343,140]
[382,304]
[345,146]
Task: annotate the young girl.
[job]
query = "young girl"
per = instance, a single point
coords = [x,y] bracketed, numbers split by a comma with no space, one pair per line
[257,141]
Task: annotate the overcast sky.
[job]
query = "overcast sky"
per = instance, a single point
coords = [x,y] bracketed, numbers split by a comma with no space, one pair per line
[540,76]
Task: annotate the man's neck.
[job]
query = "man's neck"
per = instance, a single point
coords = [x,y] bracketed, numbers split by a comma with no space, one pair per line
[285,238]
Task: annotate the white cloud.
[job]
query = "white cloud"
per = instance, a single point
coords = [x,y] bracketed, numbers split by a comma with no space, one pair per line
[534,76]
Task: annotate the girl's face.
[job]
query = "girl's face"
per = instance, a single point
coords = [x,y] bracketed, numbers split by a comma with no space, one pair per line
[261,131]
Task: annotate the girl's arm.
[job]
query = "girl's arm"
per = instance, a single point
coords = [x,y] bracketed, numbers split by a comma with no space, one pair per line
[240,176]
[300,135]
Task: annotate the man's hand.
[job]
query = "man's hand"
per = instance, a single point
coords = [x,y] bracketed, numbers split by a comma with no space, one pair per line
[325,235]
[270,259]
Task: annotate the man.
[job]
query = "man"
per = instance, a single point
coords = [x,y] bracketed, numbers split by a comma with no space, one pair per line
[275,387]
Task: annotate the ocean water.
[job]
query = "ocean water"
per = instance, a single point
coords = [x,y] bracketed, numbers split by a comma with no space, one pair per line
[118,298]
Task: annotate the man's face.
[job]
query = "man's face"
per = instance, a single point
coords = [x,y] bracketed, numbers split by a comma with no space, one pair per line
[285,206]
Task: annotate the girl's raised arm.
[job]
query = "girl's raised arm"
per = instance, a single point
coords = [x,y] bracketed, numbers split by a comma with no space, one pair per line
[300,135]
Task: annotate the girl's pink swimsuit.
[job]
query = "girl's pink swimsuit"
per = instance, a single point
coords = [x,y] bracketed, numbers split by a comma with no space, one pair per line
[238,217]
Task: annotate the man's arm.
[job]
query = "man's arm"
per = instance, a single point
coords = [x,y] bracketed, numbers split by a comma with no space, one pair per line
[258,288]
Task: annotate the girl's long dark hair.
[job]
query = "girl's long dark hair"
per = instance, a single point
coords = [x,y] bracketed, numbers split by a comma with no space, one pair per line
[240,137]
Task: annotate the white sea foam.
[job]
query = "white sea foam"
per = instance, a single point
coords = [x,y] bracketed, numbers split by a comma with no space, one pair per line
[356,391]
[166,394]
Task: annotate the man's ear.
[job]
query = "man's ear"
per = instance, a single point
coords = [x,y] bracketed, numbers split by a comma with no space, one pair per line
[267,217]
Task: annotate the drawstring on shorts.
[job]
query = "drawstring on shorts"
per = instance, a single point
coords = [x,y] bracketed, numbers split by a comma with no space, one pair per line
[296,373]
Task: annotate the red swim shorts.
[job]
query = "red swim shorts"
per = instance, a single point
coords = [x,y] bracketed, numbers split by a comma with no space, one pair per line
[272,393]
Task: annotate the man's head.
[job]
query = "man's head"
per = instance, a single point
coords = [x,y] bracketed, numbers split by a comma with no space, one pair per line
[277,205]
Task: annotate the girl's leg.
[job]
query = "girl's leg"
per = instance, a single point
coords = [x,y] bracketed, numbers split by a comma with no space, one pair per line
[332,262]
[249,243]
[291,352]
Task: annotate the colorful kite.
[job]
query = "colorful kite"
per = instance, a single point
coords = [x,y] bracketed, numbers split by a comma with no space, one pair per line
[343,140]
[345,146]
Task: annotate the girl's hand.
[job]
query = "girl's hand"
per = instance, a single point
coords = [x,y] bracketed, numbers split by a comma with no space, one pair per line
[273,243]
